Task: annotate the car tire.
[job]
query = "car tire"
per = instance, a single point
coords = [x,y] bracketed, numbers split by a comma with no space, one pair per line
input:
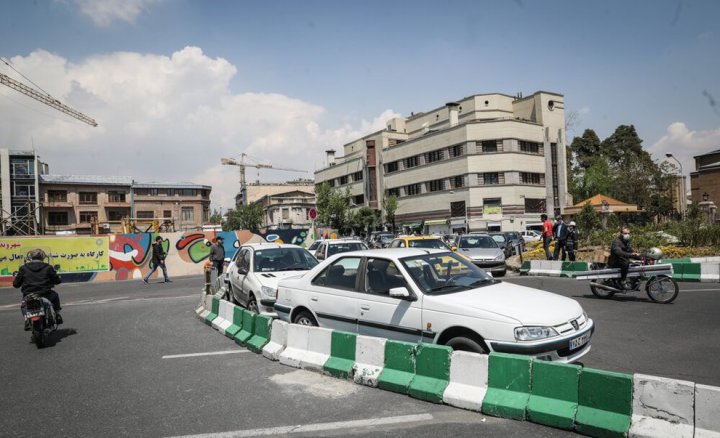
[500,274]
[463,343]
[252,305]
[305,318]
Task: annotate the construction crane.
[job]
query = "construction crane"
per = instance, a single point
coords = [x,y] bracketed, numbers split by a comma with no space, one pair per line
[242,165]
[45,98]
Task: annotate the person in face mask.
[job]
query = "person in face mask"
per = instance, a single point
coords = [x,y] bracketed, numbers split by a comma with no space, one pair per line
[621,253]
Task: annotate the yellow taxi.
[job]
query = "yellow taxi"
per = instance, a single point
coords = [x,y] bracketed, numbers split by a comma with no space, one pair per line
[419,242]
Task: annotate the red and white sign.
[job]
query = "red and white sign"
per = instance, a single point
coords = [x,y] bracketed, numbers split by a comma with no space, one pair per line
[312,213]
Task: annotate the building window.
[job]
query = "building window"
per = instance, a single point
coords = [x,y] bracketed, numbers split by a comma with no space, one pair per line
[116,196]
[490,178]
[357,176]
[187,214]
[331,182]
[413,189]
[343,180]
[534,205]
[492,206]
[22,168]
[145,214]
[530,147]
[394,191]
[457,181]
[115,215]
[457,209]
[456,151]
[185,192]
[532,178]
[391,167]
[88,198]
[57,218]
[167,214]
[23,190]
[359,199]
[86,216]
[57,196]
[433,156]
[436,185]
[490,146]
[411,162]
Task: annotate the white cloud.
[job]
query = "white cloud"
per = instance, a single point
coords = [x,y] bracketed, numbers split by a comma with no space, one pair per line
[684,144]
[166,118]
[104,12]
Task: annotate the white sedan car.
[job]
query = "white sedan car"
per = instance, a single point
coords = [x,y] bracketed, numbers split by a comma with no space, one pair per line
[430,295]
[252,276]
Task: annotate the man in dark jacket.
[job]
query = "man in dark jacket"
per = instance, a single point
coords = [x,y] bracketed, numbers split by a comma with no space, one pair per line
[158,260]
[38,277]
[217,255]
[560,231]
[621,253]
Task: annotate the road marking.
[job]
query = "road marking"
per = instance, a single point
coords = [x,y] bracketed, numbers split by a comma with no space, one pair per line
[317,427]
[212,353]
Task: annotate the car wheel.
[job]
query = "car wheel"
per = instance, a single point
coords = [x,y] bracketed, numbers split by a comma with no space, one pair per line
[462,343]
[500,274]
[305,318]
[252,305]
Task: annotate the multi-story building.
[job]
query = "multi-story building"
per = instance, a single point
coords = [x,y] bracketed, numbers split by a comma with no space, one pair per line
[187,203]
[485,162]
[290,209]
[19,191]
[705,183]
[258,190]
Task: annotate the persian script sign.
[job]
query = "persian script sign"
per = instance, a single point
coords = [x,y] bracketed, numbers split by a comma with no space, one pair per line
[71,254]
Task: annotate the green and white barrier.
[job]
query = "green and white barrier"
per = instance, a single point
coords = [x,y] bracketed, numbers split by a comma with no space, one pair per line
[508,386]
[554,394]
[552,268]
[432,372]
[604,403]
[399,368]
[342,354]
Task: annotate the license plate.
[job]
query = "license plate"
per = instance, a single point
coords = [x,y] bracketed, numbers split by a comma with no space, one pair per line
[31,314]
[579,341]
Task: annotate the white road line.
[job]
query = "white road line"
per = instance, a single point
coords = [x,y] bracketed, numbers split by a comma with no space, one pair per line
[317,427]
[212,353]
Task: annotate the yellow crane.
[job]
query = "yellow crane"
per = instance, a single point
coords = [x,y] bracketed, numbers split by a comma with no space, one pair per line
[242,165]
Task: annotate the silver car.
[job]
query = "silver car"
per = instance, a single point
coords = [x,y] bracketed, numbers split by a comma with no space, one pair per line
[484,253]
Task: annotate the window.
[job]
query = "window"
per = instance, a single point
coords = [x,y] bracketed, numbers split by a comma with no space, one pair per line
[359,199]
[22,168]
[490,146]
[116,215]
[153,192]
[490,179]
[457,181]
[88,198]
[187,214]
[436,185]
[412,162]
[357,176]
[456,151]
[167,214]
[392,167]
[433,156]
[342,274]
[457,209]
[185,192]
[492,206]
[331,182]
[57,218]
[412,189]
[57,196]
[343,180]
[116,196]
[530,147]
[23,190]
[86,216]
[145,214]
[382,275]
[532,178]
[394,191]
[534,205]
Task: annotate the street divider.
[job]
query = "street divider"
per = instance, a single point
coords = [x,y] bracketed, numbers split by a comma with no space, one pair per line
[261,334]
[508,386]
[662,407]
[215,306]
[342,355]
[432,372]
[224,318]
[399,368]
[297,345]
[468,380]
[369,360]
[707,411]
[278,340]
[247,328]
[604,403]
[554,394]
[236,325]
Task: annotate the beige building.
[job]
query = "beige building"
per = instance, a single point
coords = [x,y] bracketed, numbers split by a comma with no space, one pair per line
[70,203]
[485,162]
[258,190]
[290,209]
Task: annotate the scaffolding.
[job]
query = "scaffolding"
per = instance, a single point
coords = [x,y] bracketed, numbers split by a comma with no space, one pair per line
[130,225]
[22,221]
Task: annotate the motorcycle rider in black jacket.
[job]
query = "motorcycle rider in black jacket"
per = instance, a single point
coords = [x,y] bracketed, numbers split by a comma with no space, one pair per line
[38,277]
[620,255]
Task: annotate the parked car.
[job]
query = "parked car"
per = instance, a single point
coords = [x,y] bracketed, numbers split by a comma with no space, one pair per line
[437,296]
[252,275]
[531,236]
[418,242]
[380,239]
[329,247]
[313,246]
[503,242]
[515,239]
[484,253]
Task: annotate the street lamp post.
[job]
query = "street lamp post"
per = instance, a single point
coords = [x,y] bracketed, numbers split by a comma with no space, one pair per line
[683,200]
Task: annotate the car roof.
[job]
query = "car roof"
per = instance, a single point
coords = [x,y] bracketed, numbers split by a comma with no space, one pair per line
[342,241]
[393,253]
[420,237]
[269,245]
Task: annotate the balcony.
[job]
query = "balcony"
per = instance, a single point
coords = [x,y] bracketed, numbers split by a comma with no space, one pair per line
[58,204]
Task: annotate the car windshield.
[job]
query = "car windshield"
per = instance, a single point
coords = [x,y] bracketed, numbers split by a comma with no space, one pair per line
[314,245]
[337,248]
[427,243]
[283,259]
[477,242]
[512,235]
[385,238]
[445,272]
[499,238]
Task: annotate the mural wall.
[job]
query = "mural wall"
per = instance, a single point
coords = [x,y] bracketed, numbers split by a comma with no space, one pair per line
[127,256]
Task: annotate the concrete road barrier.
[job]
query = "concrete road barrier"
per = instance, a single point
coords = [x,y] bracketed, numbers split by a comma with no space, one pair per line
[236,325]
[710,272]
[278,340]
[604,403]
[662,407]
[432,372]
[508,386]
[225,316]
[214,309]
[468,380]
[707,411]
[553,394]
[205,306]
[342,354]
[247,329]
[261,334]
[369,360]
[399,368]
[297,344]
[318,349]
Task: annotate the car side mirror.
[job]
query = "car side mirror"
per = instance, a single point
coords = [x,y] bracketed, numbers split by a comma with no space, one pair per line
[226,260]
[242,270]
[401,292]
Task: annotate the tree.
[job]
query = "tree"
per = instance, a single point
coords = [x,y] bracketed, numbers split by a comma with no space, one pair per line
[244,217]
[390,204]
[216,217]
[585,149]
[363,220]
[588,220]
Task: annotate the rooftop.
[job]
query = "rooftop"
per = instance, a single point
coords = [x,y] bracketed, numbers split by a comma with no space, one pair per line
[87,179]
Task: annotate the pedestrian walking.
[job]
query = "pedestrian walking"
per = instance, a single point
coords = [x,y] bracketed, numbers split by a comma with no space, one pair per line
[571,243]
[217,255]
[560,231]
[158,260]
[547,235]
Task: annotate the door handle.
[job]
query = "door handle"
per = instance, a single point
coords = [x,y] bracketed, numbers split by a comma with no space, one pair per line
[365,307]
[313,299]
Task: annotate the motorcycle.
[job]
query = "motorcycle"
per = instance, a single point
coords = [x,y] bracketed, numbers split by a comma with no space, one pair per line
[660,287]
[39,316]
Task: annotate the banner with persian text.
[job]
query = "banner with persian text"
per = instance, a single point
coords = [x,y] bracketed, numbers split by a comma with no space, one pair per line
[78,254]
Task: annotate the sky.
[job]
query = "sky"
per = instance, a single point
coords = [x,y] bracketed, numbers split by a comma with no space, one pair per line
[176,85]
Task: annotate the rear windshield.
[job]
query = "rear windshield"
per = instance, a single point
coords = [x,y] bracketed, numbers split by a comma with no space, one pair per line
[477,242]
[427,243]
[337,248]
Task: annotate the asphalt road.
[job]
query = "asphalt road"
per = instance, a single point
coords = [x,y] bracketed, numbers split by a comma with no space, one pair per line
[119,367]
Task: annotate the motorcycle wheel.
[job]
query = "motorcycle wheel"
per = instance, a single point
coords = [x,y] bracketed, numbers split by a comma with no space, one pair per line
[662,290]
[600,292]
[38,335]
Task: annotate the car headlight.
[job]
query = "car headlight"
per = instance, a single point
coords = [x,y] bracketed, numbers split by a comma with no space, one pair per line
[534,333]
[269,292]
[500,257]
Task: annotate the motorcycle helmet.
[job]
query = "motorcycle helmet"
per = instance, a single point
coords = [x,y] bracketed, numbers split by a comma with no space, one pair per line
[655,253]
[572,224]
[37,254]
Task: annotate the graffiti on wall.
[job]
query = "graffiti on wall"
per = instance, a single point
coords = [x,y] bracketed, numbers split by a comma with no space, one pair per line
[80,254]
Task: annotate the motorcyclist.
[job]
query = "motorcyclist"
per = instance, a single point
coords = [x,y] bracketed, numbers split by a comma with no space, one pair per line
[38,277]
[620,255]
